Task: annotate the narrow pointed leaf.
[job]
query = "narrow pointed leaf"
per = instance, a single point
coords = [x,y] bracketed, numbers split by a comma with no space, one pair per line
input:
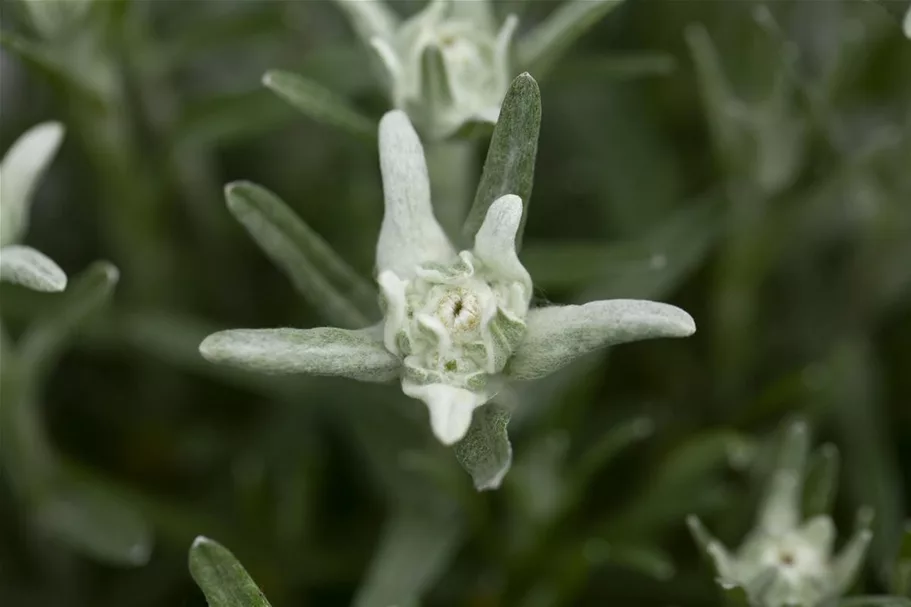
[410,234]
[96,523]
[510,164]
[821,483]
[495,242]
[30,268]
[22,167]
[221,577]
[485,452]
[318,102]
[315,269]
[414,550]
[370,18]
[323,351]
[558,335]
[43,343]
[545,44]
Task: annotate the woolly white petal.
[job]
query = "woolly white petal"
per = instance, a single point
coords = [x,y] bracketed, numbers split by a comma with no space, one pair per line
[450,408]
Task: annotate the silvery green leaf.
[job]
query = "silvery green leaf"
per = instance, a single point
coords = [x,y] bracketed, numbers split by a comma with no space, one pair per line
[547,42]
[410,234]
[42,344]
[370,18]
[95,522]
[22,166]
[510,164]
[781,507]
[477,12]
[318,102]
[318,273]
[495,242]
[847,565]
[821,482]
[711,547]
[221,577]
[485,452]
[819,532]
[416,546]
[30,268]
[323,351]
[557,335]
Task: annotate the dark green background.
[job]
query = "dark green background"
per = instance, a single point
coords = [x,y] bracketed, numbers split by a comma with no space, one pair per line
[801,292]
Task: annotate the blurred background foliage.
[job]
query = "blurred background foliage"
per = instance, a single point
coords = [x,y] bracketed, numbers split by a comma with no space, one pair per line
[748,162]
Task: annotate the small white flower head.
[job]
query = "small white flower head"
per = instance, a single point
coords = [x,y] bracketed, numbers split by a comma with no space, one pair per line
[785,561]
[448,66]
[21,169]
[453,319]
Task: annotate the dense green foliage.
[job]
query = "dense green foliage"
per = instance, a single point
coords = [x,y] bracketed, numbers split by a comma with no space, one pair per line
[748,162]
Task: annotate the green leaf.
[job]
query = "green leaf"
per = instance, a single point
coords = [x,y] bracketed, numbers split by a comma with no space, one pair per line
[649,267]
[548,41]
[821,483]
[30,268]
[43,343]
[901,578]
[93,521]
[414,550]
[510,164]
[317,272]
[485,452]
[875,601]
[608,447]
[370,19]
[221,577]
[319,103]
[356,354]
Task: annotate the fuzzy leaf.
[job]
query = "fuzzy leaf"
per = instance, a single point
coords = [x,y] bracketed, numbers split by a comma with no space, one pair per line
[545,44]
[30,268]
[318,102]
[315,269]
[370,18]
[495,242]
[323,351]
[510,164]
[485,452]
[410,234]
[558,335]
[221,577]
[22,167]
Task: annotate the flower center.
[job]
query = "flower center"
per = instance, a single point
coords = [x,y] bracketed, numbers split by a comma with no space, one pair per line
[460,309]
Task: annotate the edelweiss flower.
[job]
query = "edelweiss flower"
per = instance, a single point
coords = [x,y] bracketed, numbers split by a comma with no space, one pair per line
[447,66]
[784,561]
[22,166]
[457,325]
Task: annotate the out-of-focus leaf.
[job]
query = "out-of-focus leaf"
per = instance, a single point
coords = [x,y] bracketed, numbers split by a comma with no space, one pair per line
[510,164]
[684,483]
[42,344]
[95,522]
[30,268]
[901,578]
[648,268]
[485,451]
[648,560]
[619,66]
[875,601]
[42,59]
[22,167]
[231,117]
[415,548]
[318,273]
[607,447]
[319,103]
[222,578]
[871,471]
[821,482]
[549,40]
